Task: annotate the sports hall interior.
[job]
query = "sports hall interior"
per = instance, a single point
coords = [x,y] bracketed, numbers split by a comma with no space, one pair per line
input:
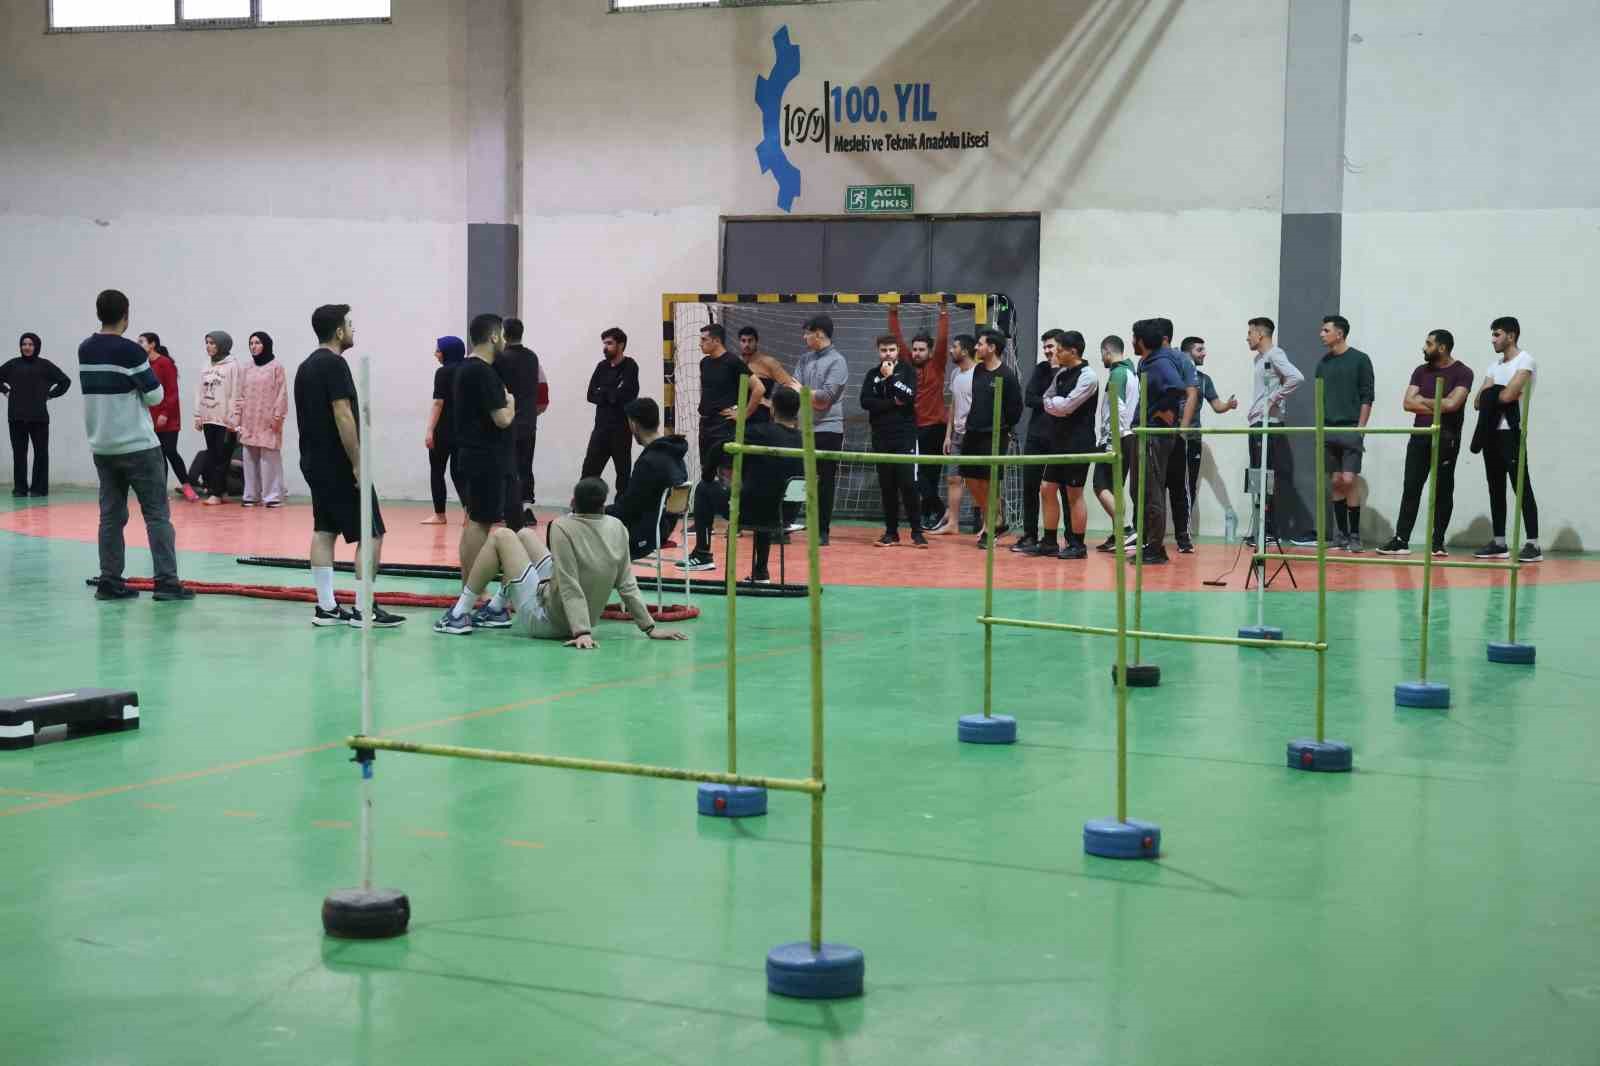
[1411,167]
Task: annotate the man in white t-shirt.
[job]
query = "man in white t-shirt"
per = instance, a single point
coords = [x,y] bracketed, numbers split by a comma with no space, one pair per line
[961,352]
[1511,375]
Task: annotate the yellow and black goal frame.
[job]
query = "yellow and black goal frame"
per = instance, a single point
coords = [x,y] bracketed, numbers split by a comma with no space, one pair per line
[979,302]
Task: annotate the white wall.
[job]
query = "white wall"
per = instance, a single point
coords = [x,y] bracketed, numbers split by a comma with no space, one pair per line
[234,180]
[1148,137]
[1470,195]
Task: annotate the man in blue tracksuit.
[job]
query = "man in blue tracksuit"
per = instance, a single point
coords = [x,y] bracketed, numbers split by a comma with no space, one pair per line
[1161,373]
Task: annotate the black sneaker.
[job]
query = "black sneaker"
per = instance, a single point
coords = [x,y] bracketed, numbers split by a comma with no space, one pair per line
[1310,541]
[983,542]
[918,540]
[1073,551]
[1395,546]
[1028,545]
[888,540]
[381,619]
[1353,545]
[697,562]
[1186,547]
[174,591]
[822,540]
[1152,556]
[336,617]
[1492,550]
[1530,553]
[529,519]
[1107,545]
[118,591]
[1440,552]
[760,577]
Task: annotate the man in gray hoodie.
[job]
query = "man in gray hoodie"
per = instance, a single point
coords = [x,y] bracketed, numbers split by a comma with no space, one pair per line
[823,370]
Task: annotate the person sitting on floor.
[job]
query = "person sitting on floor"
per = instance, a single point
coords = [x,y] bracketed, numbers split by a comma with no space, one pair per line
[761,496]
[557,591]
[660,467]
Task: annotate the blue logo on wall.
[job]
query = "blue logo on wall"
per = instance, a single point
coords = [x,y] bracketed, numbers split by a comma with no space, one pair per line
[769,97]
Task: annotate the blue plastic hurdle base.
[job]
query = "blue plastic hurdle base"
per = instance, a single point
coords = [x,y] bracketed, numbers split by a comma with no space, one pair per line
[1516,654]
[1260,633]
[1111,839]
[995,729]
[837,971]
[1430,694]
[1140,675]
[732,801]
[1320,756]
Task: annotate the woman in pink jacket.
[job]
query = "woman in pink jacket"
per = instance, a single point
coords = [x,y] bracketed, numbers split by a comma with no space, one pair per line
[266,405]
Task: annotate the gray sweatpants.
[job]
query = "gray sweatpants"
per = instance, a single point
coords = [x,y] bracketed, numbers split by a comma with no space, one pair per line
[146,474]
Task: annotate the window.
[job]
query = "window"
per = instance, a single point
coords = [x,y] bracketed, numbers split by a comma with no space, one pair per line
[80,15]
[667,5]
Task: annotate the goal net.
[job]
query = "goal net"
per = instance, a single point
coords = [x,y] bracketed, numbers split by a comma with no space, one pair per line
[858,321]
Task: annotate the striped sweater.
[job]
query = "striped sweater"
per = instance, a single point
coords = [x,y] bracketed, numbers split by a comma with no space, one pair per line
[118,385]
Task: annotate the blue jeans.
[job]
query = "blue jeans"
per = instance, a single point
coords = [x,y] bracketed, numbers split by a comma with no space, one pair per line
[146,474]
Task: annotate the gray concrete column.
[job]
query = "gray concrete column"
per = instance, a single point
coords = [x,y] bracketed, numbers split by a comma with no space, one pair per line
[1310,252]
[494,155]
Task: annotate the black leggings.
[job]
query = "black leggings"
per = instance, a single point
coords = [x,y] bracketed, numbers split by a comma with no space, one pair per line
[169,449]
[219,456]
[897,485]
[438,458]
[1500,466]
[38,433]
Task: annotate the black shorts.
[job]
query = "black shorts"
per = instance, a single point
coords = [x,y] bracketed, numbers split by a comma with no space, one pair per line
[712,437]
[336,505]
[483,486]
[1073,475]
[1342,452]
[977,442]
[1102,472]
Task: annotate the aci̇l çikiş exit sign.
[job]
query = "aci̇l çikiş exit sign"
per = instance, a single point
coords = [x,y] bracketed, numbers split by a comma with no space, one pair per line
[879,199]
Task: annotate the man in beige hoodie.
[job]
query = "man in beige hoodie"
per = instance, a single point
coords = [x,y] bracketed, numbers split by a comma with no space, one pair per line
[557,591]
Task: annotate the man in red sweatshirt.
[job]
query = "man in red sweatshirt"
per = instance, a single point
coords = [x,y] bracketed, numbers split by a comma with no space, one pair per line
[931,359]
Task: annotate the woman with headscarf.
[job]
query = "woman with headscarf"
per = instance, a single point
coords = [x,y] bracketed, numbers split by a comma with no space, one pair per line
[218,406]
[165,415]
[441,447]
[29,382]
[265,392]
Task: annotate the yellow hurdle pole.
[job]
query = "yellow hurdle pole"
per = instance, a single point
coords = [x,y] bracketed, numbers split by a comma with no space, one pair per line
[601,766]
[733,575]
[1114,434]
[1322,563]
[988,563]
[1433,497]
[1155,634]
[1139,522]
[808,439]
[1516,517]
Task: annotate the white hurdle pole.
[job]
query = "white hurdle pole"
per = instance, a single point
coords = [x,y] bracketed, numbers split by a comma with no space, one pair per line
[364,603]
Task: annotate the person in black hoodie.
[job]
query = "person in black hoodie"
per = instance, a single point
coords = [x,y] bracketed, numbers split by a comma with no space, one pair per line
[979,437]
[518,367]
[612,387]
[889,395]
[1037,441]
[30,381]
[660,467]
[765,477]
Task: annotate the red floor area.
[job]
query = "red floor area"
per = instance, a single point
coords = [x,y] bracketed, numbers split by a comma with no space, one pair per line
[952,562]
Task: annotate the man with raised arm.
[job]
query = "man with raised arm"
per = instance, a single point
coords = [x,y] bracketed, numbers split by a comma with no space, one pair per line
[930,358]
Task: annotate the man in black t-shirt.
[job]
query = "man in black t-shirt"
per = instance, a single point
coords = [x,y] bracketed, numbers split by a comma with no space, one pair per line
[1438,363]
[612,387]
[328,413]
[483,411]
[518,367]
[720,372]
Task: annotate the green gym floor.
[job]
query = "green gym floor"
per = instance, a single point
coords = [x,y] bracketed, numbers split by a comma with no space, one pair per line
[160,892]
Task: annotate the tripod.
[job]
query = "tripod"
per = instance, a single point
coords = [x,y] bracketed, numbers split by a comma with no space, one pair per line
[1255,481]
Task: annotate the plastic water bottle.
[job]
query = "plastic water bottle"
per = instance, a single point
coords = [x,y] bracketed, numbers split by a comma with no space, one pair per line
[1230,526]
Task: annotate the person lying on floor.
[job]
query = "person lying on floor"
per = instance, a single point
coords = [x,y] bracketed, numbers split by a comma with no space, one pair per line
[556,591]
[765,478]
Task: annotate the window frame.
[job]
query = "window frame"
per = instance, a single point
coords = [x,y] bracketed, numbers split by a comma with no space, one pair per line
[252,21]
[709,5]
